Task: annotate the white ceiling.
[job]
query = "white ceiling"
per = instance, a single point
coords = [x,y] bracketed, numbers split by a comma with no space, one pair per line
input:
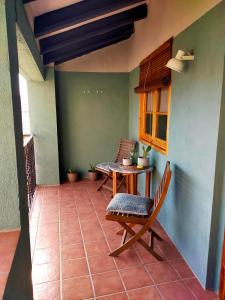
[40,7]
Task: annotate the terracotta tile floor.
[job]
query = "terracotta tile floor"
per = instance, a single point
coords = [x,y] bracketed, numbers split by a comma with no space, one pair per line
[8,243]
[70,243]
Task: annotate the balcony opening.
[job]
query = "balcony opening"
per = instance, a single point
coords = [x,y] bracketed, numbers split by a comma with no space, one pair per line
[24,105]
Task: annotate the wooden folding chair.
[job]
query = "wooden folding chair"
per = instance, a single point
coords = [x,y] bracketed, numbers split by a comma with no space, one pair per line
[124,149]
[131,210]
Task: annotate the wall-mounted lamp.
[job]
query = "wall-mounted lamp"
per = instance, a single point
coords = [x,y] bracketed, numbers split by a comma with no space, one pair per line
[176,63]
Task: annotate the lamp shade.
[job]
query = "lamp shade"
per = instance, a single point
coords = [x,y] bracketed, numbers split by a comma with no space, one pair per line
[180,54]
[175,64]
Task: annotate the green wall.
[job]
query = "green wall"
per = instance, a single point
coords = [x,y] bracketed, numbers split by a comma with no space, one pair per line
[188,213]
[12,176]
[218,209]
[9,202]
[92,117]
[24,26]
[43,123]
[133,104]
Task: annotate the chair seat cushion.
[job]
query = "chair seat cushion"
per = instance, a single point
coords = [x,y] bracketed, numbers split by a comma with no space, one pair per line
[130,204]
[105,166]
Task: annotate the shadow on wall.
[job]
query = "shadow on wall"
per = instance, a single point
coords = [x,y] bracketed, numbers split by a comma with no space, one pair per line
[181,187]
[183,184]
[180,190]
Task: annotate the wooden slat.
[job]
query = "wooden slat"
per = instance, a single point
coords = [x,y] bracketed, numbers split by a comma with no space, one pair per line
[153,71]
[125,147]
[127,219]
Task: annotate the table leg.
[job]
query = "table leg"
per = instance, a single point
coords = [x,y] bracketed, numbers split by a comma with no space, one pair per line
[127,184]
[133,184]
[147,184]
[114,183]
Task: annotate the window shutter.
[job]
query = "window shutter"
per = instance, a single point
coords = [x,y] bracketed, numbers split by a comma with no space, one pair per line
[153,71]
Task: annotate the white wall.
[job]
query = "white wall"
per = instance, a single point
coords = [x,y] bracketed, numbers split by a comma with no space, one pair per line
[110,59]
[166,18]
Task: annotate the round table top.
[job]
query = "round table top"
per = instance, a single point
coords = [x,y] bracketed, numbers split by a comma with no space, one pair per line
[120,168]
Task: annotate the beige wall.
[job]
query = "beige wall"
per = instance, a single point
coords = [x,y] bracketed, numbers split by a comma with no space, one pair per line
[166,18]
[110,59]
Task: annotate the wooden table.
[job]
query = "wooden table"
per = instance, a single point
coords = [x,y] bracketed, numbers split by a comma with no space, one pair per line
[131,173]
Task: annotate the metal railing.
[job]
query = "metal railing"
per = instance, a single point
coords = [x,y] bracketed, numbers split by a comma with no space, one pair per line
[30,168]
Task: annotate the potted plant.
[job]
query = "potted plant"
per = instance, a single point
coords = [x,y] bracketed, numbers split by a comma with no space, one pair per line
[92,173]
[134,156]
[127,161]
[72,175]
[143,160]
[132,159]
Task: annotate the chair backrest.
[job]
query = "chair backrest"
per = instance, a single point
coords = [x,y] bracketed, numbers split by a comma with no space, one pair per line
[124,149]
[161,192]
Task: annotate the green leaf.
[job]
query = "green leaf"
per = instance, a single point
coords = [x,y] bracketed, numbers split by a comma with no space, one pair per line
[148,148]
[92,167]
[71,171]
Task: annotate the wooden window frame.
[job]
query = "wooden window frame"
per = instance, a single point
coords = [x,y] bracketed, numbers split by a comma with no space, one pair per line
[152,140]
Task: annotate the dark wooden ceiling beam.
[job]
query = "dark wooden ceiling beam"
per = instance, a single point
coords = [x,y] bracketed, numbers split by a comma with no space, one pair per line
[76,13]
[88,45]
[90,30]
[93,48]
[27,1]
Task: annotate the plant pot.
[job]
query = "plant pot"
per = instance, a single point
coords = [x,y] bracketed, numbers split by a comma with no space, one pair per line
[72,177]
[127,161]
[142,161]
[92,175]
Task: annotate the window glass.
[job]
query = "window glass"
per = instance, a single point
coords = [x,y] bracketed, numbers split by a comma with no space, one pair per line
[148,124]
[163,100]
[162,127]
[153,118]
[149,102]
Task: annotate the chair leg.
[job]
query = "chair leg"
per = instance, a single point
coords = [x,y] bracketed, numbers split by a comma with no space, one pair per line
[152,241]
[155,235]
[136,237]
[120,184]
[121,231]
[124,237]
[102,183]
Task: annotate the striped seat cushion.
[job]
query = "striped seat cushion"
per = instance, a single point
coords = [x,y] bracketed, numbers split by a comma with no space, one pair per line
[130,204]
[105,166]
